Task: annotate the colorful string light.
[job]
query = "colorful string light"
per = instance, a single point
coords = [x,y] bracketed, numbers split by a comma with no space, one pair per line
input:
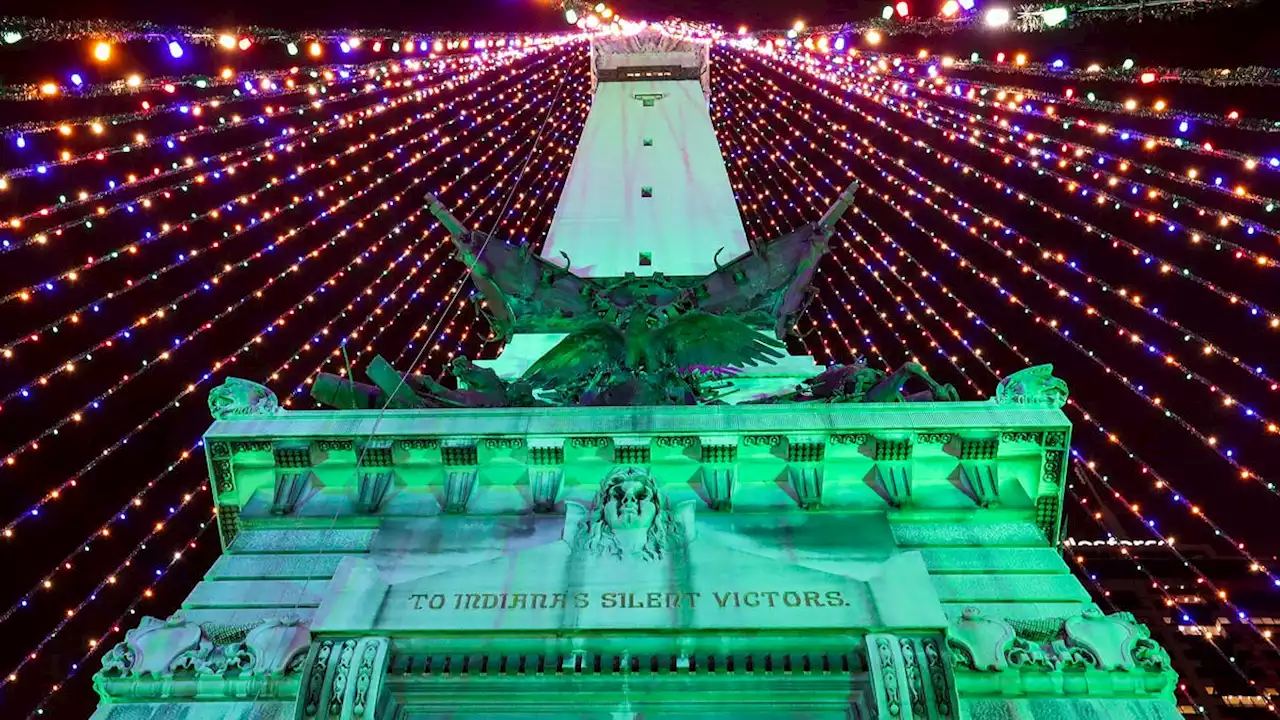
[1161,484]
[493,150]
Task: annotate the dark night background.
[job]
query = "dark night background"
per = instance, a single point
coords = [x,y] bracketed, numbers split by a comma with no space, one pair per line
[1223,39]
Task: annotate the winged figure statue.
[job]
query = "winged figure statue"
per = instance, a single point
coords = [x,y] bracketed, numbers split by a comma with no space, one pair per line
[767,287]
[649,357]
[642,342]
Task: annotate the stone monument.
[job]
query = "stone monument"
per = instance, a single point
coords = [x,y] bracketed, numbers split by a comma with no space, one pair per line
[645,507]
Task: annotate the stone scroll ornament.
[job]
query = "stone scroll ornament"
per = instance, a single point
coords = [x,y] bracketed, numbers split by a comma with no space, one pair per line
[629,520]
[162,649]
[1091,640]
[1032,386]
[237,397]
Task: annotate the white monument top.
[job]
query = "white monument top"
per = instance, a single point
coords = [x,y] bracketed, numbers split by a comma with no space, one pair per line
[648,190]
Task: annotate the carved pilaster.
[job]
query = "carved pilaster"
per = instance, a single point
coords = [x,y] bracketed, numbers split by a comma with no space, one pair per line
[374,474]
[931,687]
[221,468]
[887,682]
[717,483]
[294,460]
[344,679]
[911,677]
[719,472]
[288,490]
[459,484]
[546,472]
[460,457]
[978,469]
[544,484]
[804,470]
[372,487]
[806,482]
[892,469]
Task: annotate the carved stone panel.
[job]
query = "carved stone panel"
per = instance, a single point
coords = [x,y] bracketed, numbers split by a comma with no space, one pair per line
[1049,517]
[883,659]
[228,523]
[719,453]
[224,478]
[911,677]
[673,447]
[755,447]
[543,453]
[226,660]
[296,454]
[805,452]
[632,453]
[1061,647]
[459,454]
[588,447]
[344,679]
[494,449]
[377,453]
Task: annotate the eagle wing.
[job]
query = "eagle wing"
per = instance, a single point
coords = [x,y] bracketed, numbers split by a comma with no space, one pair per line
[701,339]
[579,353]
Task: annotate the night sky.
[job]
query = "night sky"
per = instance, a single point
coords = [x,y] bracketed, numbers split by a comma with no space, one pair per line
[969,283]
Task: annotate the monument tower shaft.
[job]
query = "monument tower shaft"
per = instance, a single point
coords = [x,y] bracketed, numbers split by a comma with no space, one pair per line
[644,508]
[648,191]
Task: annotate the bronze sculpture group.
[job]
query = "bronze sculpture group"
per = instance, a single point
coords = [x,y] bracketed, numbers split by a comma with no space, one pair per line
[636,340]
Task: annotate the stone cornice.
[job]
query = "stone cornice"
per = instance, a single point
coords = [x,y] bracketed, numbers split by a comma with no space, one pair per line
[969,454]
[733,419]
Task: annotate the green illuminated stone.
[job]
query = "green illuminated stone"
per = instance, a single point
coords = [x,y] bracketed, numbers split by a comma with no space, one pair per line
[593,525]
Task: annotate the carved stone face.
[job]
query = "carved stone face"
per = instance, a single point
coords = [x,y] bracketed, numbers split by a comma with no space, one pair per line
[630,504]
[629,519]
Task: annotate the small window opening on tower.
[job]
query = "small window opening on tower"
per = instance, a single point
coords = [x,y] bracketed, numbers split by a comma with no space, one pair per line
[648,142]
[646,192]
[646,258]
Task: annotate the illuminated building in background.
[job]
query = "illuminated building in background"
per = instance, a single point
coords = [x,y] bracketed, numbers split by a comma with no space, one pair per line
[1207,645]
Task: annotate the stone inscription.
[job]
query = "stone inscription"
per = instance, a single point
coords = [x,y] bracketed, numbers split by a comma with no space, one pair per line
[628,600]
